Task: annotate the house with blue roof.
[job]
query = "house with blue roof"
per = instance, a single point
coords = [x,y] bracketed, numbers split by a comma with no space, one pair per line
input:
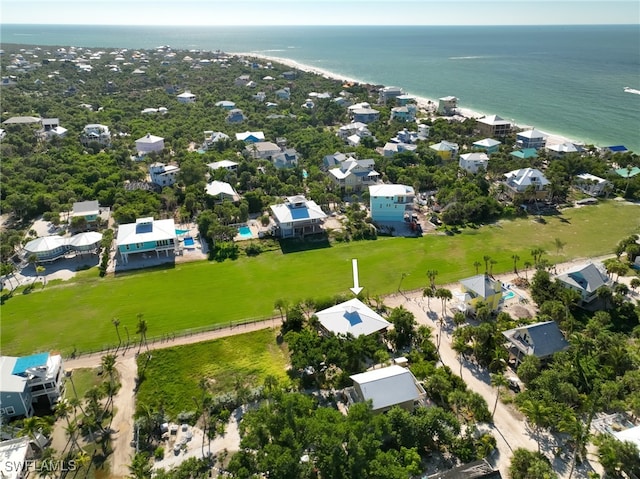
[29,382]
[542,340]
[297,217]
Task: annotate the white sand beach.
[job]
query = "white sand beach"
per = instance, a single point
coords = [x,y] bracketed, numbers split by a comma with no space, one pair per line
[425,104]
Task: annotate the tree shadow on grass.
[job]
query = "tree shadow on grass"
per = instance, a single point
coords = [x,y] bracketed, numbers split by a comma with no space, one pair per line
[295,245]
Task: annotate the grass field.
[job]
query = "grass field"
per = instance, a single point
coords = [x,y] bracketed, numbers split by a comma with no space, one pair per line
[172,376]
[77,314]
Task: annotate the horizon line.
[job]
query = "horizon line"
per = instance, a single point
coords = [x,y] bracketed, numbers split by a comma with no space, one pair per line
[324,25]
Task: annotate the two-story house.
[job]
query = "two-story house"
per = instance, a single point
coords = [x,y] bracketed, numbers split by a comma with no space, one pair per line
[149,144]
[528,181]
[474,162]
[163,175]
[493,126]
[531,139]
[96,133]
[353,175]
[297,217]
[147,236]
[390,203]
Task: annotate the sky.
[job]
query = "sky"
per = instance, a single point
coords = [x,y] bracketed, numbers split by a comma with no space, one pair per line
[320,12]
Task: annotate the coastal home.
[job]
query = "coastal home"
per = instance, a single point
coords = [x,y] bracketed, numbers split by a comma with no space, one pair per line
[147,236]
[262,149]
[387,387]
[95,133]
[561,149]
[287,158]
[51,128]
[351,317]
[223,164]
[525,153]
[358,129]
[592,185]
[222,191]
[186,97]
[308,104]
[250,136]
[406,136]
[531,139]
[235,116]
[391,148]
[364,115]
[149,144]
[211,137]
[283,93]
[226,104]
[17,452]
[29,382]
[527,181]
[447,105]
[352,174]
[297,217]
[389,93]
[493,126]
[51,248]
[474,162]
[542,340]
[290,75]
[88,210]
[403,100]
[242,80]
[586,279]
[489,145]
[446,150]
[331,161]
[423,131]
[260,96]
[480,469]
[404,113]
[390,203]
[163,175]
[613,150]
[480,287]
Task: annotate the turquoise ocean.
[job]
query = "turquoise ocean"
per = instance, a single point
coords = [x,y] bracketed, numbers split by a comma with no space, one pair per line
[567,80]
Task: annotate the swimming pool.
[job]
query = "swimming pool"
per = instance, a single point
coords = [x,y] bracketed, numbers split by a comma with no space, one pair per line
[188,242]
[181,232]
[509,295]
[245,232]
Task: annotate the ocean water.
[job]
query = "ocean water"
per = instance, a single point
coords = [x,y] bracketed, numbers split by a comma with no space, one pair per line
[567,80]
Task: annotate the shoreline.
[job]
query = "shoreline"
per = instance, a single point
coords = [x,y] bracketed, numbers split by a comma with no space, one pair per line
[423,103]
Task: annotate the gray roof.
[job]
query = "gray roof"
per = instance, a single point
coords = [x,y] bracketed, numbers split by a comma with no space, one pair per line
[481,284]
[387,386]
[585,277]
[83,208]
[540,339]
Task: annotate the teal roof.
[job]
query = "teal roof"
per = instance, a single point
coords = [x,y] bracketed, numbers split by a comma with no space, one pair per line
[525,153]
[625,173]
[28,362]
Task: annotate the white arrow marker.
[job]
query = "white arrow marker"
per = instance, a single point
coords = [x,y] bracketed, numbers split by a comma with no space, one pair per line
[356,287]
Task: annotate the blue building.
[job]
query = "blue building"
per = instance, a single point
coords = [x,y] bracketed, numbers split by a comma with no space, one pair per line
[145,236]
[390,203]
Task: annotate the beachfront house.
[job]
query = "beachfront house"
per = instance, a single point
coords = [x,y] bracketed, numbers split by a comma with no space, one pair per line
[390,203]
[95,133]
[147,236]
[447,105]
[489,145]
[479,288]
[297,217]
[149,144]
[222,191]
[387,387]
[52,248]
[353,175]
[351,317]
[474,162]
[446,150]
[586,279]
[493,125]
[561,149]
[527,181]
[531,139]
[389,93]
[186,97]
[592,185]
[29,382]
[404,113]
[163,175]
[542,340]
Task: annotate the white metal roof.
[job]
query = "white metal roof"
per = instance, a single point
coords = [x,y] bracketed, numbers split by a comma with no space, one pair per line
[390,190]
[387,386]
[297,209]
[351,317]
[146,229]
[149,139]
[10,382]
[216,188]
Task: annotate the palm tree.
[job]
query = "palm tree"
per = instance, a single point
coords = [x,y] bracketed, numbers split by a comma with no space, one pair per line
[476,265]
[116,324]
[63,409]
[281,305]
[515,259]
[634,283]
[605,294]
[537,414]
[431,274]
[141,329]
[428,293]
[498,380]
[109,367]
[40,272]
[444,295]
[486,259]
[140,467]
[32,426]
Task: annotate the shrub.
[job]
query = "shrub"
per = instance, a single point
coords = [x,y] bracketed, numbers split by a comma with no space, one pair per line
[254,249]
[158,454]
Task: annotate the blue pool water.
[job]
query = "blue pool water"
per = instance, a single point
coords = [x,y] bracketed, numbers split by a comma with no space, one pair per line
[188,241]
[245,232]
[509,295]
[181,232]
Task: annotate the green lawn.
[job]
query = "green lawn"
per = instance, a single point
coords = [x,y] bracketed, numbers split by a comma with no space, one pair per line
[172,376]
[78,314]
